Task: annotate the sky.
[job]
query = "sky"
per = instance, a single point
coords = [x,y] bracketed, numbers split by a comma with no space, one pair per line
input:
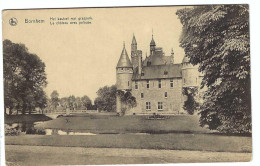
[82,58]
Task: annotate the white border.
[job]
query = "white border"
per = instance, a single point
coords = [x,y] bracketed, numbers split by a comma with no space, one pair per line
[255,53]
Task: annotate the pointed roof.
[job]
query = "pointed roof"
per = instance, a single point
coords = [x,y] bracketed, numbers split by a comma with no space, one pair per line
[134,40]
[152,43]
[124,60]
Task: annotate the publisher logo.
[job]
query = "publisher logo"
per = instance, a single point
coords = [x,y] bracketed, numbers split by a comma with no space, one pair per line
[13,21]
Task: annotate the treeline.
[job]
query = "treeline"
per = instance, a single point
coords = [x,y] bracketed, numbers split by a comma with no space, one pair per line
[72,103]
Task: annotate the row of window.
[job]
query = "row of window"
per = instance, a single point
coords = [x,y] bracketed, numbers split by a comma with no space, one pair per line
[165,95]
[159,106]
[159,84]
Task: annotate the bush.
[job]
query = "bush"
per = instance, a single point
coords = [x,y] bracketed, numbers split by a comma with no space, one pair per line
[10,131]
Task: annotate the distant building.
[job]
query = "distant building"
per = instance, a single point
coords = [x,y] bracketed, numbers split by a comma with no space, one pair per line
[156,82]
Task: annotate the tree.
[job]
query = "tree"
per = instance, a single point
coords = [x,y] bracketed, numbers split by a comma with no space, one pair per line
[87,103]
[55,99]
[190,105]
[64,102]
[72,102]
[24,75]
[41,99]
[217,38]
[128,101]
[106,99]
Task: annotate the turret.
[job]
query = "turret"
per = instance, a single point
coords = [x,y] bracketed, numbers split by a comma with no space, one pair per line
[124,72]
[190,73]
[152,46]
[134,44]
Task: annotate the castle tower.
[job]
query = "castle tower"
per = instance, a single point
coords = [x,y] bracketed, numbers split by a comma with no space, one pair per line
[152,46]
[190,73]
[124,73]
[134,55]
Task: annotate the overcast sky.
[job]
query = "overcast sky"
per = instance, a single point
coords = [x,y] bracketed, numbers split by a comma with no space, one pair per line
[82,58]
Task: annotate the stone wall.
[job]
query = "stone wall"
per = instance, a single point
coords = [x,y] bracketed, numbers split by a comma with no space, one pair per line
[172,104]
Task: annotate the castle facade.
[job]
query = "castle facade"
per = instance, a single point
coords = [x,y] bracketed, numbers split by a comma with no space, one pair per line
[156,82]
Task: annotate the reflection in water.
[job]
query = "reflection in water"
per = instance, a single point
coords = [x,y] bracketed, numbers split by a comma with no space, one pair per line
[28,128]
[62,132]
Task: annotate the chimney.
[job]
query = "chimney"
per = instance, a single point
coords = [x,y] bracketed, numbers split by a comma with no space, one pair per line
[140,62]
[172,57]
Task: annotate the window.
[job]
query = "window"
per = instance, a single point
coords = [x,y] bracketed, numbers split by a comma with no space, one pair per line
[171,83]
[160,106]
[148,105]
[165,94]
[147,84]
[159,83]
[136,85]
[128,83]
[184,80]
[142,95]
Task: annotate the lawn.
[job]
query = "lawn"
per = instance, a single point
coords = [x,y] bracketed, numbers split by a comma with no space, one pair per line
[176,133]
[126,124]
[197,142]
[48,155]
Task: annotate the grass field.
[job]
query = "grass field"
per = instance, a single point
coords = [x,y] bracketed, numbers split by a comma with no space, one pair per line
[126,124]
[176,133]
[48,155]
[199,142]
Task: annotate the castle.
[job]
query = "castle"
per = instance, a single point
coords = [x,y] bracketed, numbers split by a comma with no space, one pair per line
[156,82]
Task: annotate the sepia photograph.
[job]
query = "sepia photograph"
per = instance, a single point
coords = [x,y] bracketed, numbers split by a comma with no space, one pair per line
[127,85]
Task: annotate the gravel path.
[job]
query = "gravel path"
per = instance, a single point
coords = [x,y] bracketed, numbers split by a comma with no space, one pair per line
[47,155]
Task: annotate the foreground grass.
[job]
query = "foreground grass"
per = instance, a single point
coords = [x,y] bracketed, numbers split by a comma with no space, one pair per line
[115,124]
[197,142]
[26,118]
[47,155]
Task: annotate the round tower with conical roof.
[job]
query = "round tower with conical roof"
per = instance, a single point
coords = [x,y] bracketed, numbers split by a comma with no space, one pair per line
[190,73]
[124,72]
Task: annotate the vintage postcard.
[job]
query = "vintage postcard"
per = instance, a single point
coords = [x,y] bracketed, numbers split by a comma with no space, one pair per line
[127,85]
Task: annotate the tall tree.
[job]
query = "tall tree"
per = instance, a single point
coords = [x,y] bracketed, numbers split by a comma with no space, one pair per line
[24,74]
[72,102]
[217,38]
[55,99]
[86,101]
